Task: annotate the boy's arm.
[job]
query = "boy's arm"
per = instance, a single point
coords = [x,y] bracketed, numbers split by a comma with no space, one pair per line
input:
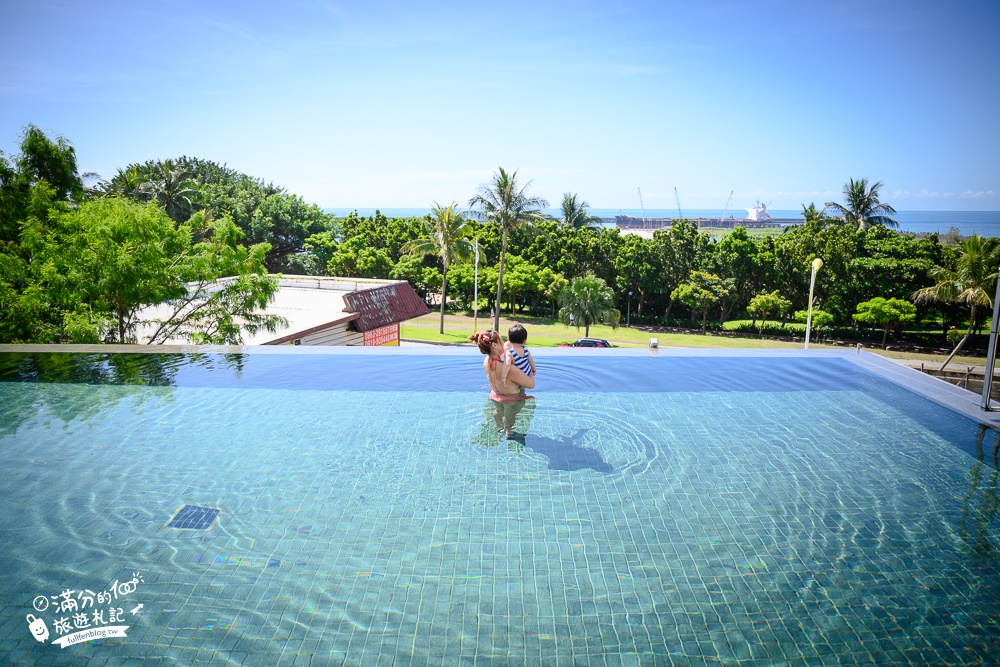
[508,361]
[531,360]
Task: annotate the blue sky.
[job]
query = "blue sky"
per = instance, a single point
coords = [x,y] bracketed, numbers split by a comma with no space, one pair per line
[387,104]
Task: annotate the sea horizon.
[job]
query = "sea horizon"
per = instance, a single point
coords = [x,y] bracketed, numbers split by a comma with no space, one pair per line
[984,223]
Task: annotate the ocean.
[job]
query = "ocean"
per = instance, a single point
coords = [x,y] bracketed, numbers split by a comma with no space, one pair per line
[984,223]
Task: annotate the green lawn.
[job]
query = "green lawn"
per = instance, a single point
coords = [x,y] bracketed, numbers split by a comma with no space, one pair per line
[546,332]
[754,232]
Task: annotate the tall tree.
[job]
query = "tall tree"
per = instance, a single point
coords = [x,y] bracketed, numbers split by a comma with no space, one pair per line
[886,313]
[736,256]
[38,182]
[126,182]
[446,236]
[702,291]
[103,263]
[503,202]
[766,303]
[810,214]
[172,187]
[50,160]
[862,207]
[682,248]
[588,300]
[638,266]
[970,283]
[575,215]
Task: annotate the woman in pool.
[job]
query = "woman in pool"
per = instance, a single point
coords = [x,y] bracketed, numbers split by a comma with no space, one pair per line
[507,398]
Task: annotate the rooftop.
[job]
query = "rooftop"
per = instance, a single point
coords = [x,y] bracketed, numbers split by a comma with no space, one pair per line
[311,303]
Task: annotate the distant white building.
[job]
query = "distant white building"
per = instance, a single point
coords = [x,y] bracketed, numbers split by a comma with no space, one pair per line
[322,310]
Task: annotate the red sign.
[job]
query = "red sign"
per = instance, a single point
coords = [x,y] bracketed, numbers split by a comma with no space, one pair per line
[387,335]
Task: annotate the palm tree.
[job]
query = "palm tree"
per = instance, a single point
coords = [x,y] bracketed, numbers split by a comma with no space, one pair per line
[970,283]
[576,216]
[863,208]
[126,183]
[503,202]
[588,300]
[447,231]
[810,214]
[172,188]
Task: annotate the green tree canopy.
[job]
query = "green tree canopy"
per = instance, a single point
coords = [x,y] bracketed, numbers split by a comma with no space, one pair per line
[49,160]
[170,186]
[820,319]
[638,265]
[702,291]
[766,303]
[264,212]
[682,250]
[589,300]
[506,204]
[970,283]
[886,313]
[101,264]
[447,237]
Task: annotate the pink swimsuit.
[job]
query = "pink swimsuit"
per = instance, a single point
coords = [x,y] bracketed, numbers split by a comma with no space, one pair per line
[504,398]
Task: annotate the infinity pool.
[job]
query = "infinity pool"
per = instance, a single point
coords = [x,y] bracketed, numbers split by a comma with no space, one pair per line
[734,509]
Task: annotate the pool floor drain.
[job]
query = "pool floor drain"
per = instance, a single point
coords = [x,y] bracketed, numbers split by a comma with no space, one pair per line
[194,517]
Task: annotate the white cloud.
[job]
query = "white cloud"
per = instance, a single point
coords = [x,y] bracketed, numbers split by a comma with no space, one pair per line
[978,194]
[900,194]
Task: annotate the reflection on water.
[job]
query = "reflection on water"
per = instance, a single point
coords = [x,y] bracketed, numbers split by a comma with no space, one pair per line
[491,430]
[563,452]
[62,401]
[151,370]
[981,503]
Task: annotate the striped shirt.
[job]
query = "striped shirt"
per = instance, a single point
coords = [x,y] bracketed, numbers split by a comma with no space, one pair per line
[523,363]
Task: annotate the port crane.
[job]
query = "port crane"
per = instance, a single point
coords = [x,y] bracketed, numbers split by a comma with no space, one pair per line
[676,197]
[726,209]
[642,208]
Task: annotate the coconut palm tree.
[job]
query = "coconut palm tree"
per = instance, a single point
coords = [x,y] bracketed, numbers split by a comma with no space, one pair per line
[576,216]
[502,201]
[810,214]
[863,208]
[126,183]
[971,282]
[447,233]
[172,188]
[588,300]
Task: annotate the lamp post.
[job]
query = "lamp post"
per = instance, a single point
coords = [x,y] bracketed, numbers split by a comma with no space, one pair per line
[816,264]
[991,351]
[628,313]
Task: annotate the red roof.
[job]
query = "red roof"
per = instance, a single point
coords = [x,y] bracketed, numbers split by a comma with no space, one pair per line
[388,304]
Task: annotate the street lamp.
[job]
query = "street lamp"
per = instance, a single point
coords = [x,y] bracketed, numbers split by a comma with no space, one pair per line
[816,264]
[991,351]
[628,313]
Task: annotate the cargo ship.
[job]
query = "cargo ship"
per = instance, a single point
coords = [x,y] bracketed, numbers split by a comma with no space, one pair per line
[757,217]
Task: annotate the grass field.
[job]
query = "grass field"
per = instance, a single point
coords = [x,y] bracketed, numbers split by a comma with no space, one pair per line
[754,232]
[544,332]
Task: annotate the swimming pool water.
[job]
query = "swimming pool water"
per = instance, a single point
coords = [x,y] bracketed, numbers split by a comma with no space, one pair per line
[653,511]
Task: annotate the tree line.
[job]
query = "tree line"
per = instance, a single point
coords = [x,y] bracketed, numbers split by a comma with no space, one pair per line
[79,261]
[82,259]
